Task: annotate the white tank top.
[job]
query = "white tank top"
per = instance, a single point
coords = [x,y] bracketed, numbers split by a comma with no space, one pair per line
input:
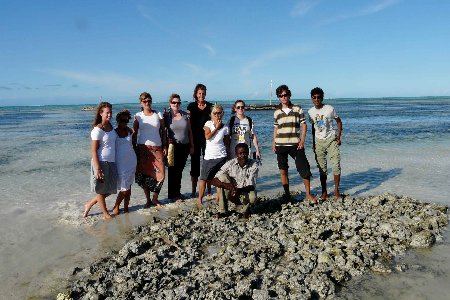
[148,133]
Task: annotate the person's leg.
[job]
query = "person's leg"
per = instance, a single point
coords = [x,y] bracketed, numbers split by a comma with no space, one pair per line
[126,201]
[148,202]
[194,181]
[323,184]
[208,184]
[102,204]
[201,192]
[282,160]
[195,167]
[223,195]
[181,163]
[285,182]
[155,200]
[337,193]
[88,205]
[335,158]
[303,169]
[172,188]
[120,197]
[321,159]
[249,200]
[307,183]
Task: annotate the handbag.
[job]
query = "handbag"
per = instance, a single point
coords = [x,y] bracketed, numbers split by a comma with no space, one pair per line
[171,155]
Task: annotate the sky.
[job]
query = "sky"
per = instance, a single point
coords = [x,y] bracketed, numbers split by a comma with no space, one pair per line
[77,52]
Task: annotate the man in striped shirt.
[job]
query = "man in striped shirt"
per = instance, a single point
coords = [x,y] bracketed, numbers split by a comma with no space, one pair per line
[288,119]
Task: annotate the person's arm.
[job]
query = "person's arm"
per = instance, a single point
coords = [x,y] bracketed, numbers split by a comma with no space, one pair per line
[339,130]
[255,142]
[301,144]
[135,134]
[246,189]
[95,161]
[191,138]
[274,136]
[228,186]
[165,145]
[227,142]
[313,132]
[210,133]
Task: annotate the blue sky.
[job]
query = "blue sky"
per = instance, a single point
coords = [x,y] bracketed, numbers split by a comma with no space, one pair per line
[66,52]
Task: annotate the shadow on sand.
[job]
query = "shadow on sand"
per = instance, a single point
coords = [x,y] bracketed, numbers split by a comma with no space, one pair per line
[366,180]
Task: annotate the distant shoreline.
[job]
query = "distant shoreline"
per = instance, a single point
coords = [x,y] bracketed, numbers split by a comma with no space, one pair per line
[259,101]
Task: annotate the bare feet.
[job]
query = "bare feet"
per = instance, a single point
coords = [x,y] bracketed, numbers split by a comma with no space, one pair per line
[107,217]
[324,196]
[199,203]
[156,202]
[116,210]
[86,210]
[148,204]
[311,199]
[125,210]
[337,196]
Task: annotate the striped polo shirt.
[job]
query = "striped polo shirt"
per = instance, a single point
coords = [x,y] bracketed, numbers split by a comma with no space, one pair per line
[288,125]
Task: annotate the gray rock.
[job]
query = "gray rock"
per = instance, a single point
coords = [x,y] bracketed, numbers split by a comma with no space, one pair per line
[423,239]
[284,251]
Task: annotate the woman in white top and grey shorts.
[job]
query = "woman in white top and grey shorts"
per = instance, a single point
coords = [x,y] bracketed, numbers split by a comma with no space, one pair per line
[103,167]
[217,142]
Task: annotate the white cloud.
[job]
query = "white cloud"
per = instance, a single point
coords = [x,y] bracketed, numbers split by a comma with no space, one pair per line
[211,50]
[303,7]
[372,9]
[200,72]
[377,7]
[271,56]
[115,82]
[145,12]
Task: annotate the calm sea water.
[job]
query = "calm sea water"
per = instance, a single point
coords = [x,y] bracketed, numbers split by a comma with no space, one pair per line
[399,145]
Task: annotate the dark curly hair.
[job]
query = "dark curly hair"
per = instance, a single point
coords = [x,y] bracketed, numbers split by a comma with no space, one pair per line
[317,91]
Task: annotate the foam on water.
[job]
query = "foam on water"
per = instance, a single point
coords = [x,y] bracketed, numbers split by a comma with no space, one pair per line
[396,145]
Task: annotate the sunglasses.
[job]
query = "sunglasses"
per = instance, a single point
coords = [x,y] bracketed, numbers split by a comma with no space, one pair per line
[283,96]
[176,102]
[146,101]
[123,121]
[316,97]
[217,113]
[240,107]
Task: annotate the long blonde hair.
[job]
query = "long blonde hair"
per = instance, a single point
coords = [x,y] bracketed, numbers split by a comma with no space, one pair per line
[98,117]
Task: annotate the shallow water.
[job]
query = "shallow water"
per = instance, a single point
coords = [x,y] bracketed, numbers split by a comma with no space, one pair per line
[396,145]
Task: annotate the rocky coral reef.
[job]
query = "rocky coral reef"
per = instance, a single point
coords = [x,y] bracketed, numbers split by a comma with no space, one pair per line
[284,250]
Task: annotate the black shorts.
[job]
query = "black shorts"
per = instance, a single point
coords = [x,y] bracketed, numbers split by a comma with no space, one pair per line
[301,162]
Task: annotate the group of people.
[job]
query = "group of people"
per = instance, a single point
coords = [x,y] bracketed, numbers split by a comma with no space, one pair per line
[140,154]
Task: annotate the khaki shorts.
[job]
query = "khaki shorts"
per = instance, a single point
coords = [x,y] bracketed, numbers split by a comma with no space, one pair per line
[329,147]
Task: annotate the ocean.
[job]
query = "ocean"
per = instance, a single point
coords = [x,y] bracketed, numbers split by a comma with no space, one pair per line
[397,145]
